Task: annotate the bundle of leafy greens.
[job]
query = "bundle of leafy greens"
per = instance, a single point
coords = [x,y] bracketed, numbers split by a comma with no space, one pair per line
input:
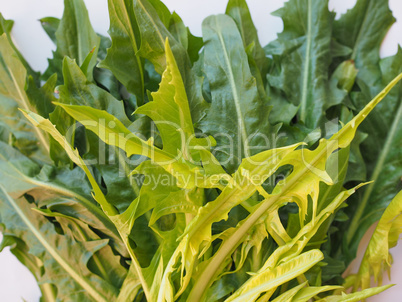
[159,166]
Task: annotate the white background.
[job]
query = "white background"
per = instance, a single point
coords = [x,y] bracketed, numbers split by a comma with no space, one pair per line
[16,282]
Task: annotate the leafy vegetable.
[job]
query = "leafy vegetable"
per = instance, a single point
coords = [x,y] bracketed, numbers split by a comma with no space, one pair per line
[160,166]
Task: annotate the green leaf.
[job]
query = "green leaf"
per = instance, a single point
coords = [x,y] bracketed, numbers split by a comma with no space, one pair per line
[304,52]
[362,29]
[125,224]
[182,34]
[75,38]
[43,96]
[170,111]
[162,10]
[240,13]
[178,30]
[341,83]
[237,117]
[153,36]
[195,45]
[122,58]
[76,90]
[75,210]
[104,77]
[110,162]
[5,25]
[257,59]
[50,25]
[164,197]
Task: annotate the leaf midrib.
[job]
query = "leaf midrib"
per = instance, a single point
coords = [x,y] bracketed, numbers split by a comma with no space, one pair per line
[79,40]
[303,106]
[152,21]
[132,38]
[235,93]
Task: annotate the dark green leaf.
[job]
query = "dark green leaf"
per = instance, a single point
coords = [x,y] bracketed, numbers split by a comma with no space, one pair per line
[75,38]
[240,13]
[362,29]
[238,118]
[122,59]
[42,97]
[304,57]
[154,34]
